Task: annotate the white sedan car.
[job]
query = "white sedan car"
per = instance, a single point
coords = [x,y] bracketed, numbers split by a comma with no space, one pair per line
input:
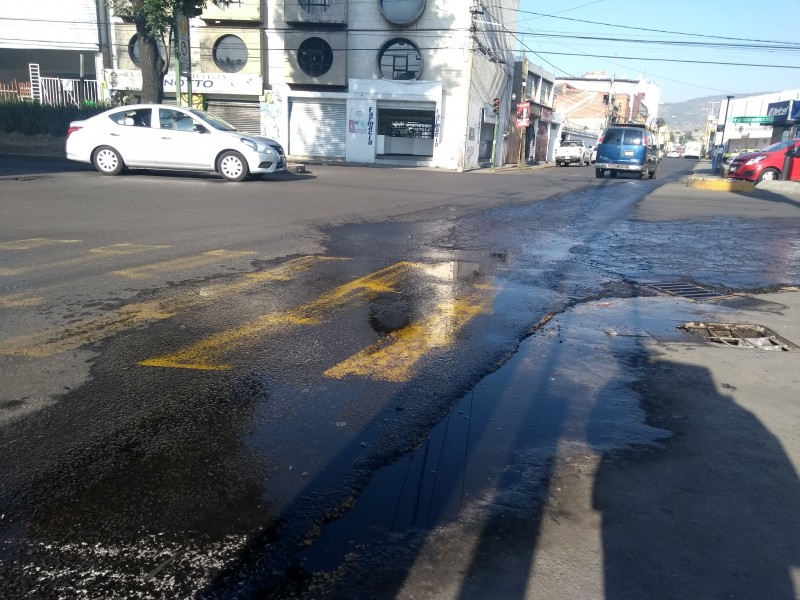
[154,136]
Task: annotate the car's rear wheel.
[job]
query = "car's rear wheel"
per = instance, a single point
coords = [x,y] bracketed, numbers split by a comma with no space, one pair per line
[232,166]
[769,175]
[107,161]
[612,173]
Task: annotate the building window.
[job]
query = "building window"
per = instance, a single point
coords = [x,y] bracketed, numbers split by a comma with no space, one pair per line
[400,59]
[547,89]
[133,51]
[315,7]
[402,12]
[230,54]
[315,57]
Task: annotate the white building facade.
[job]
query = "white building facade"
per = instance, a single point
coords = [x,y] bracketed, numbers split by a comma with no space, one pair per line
[392,82]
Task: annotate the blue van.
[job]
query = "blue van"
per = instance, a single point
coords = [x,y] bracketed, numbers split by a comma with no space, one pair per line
[627,148]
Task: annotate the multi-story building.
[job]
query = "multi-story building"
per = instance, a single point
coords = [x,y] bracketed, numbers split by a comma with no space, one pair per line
[592,102]
[535,131]
[398,82]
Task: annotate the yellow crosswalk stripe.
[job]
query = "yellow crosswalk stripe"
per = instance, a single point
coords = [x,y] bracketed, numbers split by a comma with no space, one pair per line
[77,260]
[19,301]
[126,248]
[61,339]
[33,243]
[178,264]
[207,354]
[395,357]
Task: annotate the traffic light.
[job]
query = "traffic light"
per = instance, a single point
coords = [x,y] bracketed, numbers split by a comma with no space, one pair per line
[496,105]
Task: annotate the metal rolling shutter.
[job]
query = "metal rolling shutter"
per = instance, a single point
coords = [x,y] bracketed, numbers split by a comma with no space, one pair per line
[317,128]
[245,116]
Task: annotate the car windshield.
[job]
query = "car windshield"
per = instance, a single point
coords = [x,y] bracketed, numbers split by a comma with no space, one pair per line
[777,147]
[213,121]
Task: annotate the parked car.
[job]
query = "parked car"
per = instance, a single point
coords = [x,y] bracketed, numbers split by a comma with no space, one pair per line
[673,154]
[594,154]
[767,163]
[627,148]
[155,136]
[572,152]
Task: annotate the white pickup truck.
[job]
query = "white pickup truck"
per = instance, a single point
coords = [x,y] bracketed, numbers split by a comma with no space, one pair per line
[573,151]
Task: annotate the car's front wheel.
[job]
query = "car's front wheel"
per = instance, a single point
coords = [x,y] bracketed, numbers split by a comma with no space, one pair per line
[769,175]
[107,161]
[232,166]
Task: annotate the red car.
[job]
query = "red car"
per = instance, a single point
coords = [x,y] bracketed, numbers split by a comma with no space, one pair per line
[767,163]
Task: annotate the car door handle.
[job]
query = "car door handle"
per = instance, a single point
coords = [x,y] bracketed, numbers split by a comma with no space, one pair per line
[115,135]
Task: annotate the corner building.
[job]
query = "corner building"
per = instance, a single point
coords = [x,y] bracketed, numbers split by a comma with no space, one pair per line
[390,82]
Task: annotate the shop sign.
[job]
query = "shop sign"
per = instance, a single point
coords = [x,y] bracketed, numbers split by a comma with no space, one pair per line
[523,114]
[780,111]
[202,83]
[762,119]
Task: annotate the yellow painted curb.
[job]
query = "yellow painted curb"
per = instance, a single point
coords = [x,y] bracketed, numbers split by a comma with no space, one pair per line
[720,185]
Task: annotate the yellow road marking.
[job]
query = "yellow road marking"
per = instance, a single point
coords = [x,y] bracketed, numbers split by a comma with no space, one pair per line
[19,301]
[207,354]
[182,263]
[61,339]
[33,243]
[118,249]
[126,248]
[395,357]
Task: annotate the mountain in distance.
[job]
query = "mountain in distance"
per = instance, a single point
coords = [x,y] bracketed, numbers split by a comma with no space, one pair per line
[691,115]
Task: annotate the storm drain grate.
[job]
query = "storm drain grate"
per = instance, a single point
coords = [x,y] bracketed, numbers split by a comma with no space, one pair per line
[739,335]
[685,290]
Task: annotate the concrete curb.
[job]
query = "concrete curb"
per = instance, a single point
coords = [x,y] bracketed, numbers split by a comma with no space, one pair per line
[720,185]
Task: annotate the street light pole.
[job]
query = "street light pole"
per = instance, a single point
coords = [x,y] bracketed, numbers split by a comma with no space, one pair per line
[725,120]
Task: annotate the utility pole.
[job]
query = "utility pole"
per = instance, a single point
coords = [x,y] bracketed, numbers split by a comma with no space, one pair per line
[725,120]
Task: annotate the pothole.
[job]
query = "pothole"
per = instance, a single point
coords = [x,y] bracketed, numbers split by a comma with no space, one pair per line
[739,335]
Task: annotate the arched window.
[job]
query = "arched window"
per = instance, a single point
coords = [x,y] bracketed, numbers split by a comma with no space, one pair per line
[230,54]
[402,12]
[315,57]
[400,59]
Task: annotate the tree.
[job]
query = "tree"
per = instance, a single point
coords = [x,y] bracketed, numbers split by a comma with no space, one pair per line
[660,123]
[155,27]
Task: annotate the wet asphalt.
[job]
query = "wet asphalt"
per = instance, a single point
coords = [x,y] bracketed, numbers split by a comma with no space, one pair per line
[271,479]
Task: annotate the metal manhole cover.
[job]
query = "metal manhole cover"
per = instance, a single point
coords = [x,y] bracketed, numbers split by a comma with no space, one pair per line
[685,290]
[739,335]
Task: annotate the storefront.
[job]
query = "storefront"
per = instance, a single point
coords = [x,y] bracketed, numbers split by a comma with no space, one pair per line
[317,128]
[785,116]
[405,129]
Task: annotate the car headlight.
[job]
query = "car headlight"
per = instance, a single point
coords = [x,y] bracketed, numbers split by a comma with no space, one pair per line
[256,145]
[755,161]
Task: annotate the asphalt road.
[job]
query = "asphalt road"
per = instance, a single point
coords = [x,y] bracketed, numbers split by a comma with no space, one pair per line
[201,377]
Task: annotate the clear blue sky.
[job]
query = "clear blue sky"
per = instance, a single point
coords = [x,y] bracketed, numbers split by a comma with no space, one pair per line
[738,22]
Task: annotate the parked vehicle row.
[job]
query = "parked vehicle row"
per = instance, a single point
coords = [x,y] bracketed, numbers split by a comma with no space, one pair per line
[154,136]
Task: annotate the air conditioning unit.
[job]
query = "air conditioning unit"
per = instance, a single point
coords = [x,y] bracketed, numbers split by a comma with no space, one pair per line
[316,57]
[317,12]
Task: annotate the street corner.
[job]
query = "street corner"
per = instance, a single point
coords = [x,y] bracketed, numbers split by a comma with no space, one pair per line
[719,185]
[790,188]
